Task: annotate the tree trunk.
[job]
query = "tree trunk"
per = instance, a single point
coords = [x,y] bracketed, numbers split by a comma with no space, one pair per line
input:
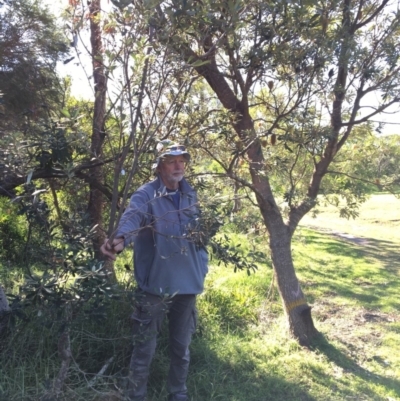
[4,311]
[95,204]
[65,354]
[300,321]
[297,310]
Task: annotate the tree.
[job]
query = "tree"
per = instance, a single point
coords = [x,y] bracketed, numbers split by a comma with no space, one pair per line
[95,204]
[57,150]
[30,46]
[310,68]
[127,118]
[376,163]
[290,80]
[121,48]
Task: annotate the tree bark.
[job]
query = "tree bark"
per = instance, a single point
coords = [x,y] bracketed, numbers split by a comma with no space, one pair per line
[297,310]
[4,311]
[95,204]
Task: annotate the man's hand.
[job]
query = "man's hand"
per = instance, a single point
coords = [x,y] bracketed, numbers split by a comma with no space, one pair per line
[110,249]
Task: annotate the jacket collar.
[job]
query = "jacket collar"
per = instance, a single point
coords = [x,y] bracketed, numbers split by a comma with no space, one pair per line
[161,190]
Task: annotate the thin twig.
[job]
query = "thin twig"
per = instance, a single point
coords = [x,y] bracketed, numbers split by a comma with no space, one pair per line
[92,382]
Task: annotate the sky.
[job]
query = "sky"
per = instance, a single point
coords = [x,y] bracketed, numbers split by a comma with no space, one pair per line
[80,69]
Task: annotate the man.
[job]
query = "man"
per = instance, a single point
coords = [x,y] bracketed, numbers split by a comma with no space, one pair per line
[169,268]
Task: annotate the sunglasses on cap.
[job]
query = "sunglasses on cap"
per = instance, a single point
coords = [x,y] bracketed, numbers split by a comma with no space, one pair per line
[174,148]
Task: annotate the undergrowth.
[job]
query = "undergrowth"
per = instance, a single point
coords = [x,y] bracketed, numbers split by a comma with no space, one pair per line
[241,350]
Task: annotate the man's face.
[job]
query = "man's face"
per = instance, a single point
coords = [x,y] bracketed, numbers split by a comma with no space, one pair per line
[171,170]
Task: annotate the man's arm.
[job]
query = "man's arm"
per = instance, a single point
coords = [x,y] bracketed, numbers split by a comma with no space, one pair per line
[134,217]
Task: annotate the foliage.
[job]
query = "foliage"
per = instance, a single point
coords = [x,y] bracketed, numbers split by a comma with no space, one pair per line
[293,80]
[376,162]
[239,351]
[32,43]
[282,61]
[286,86]
[11,234]
[64,288]
[30,46]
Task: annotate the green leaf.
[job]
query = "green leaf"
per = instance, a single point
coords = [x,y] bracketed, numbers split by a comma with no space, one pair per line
[65,113]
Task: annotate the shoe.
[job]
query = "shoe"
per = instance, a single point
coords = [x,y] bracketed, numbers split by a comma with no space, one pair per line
[178,397]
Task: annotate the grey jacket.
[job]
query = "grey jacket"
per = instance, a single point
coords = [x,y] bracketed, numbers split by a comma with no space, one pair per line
[166,260]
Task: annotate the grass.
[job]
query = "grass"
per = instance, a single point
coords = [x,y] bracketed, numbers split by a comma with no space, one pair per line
[241,351]
[378,219]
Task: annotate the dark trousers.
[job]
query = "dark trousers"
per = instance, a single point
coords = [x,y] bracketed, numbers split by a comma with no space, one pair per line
[149,314]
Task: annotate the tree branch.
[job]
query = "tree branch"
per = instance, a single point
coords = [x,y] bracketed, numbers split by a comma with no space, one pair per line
[371,17]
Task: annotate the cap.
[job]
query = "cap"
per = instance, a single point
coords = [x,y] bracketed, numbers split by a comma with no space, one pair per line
[173,149]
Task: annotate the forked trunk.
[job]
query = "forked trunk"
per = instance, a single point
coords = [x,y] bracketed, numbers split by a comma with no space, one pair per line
[297,310]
